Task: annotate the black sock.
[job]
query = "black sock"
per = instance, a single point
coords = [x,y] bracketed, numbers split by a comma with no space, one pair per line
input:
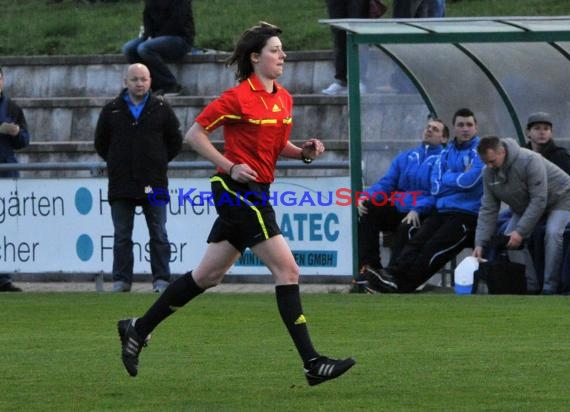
[176,295]
[289,304]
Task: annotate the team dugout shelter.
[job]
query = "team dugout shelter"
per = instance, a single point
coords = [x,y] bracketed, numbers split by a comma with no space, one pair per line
[502,68]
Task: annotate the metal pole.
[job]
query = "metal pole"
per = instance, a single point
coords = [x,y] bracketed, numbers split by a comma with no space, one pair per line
[355,145]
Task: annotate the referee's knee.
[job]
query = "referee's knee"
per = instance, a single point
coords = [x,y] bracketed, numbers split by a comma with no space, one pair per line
[288,276]
[208,280]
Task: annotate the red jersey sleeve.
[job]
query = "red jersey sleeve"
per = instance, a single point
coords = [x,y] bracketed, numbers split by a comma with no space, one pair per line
[222,110]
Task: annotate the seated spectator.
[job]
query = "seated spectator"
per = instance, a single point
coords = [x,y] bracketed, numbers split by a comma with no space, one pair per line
[540,134]
[457,188]
[168,35]
[401,199]
[540,139]
[531,186]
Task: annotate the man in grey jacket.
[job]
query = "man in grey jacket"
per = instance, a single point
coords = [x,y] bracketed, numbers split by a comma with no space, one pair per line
[533,187]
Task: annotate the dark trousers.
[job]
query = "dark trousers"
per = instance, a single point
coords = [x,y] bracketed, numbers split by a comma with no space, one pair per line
[123,215]
[440,237]
[344,9]
[379,218]
[418,8]
[154,53]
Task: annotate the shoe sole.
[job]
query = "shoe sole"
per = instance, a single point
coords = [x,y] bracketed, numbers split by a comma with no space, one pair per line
[362,286]
[388,286]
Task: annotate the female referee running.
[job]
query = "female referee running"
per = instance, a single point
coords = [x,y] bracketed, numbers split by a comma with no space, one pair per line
[257,119]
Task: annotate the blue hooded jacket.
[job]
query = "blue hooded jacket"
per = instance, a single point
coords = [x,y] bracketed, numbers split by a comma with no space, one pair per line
[409,172]
[456,178]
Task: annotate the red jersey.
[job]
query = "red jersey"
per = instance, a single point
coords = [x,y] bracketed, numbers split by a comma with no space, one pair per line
[257,124]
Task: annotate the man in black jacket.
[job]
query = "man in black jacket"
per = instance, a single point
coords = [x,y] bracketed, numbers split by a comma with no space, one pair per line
[13,135]
[137,135]
[13,129]
[167,35]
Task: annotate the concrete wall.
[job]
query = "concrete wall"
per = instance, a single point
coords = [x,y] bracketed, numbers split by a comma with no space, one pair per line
[62,96]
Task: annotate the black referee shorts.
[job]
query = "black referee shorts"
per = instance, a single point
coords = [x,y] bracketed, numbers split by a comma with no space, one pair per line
[245,216]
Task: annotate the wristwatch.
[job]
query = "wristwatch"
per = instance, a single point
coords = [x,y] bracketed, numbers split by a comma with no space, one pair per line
[306,160]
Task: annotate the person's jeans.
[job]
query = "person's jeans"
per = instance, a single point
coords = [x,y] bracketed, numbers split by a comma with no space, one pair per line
[123,214]
[347,9]
[430,8]
[556,222]
[418,8]
[153,53]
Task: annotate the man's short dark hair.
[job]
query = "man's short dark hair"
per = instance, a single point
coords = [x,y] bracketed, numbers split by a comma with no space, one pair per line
[464,112]
[488,143]
[445,128]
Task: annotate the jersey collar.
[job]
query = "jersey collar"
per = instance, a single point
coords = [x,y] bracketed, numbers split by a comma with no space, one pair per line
[256,85]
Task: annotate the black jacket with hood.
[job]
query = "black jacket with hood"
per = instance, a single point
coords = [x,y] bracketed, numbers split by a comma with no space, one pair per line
[169,18]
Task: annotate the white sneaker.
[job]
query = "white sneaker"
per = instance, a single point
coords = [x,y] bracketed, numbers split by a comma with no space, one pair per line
[120,286]
[159,286]
[335,89]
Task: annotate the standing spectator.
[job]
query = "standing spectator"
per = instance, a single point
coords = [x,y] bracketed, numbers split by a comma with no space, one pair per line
[401,199]
[137,134]
[344,9]
[416,9]
[167,35]
[457,187]
[540,135]
[245,169]
[13,130]
[532,186]
[13,136]
[411,9]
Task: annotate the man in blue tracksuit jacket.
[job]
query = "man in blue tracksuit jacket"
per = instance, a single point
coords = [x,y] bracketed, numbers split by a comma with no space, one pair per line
[457,187]
[401,198]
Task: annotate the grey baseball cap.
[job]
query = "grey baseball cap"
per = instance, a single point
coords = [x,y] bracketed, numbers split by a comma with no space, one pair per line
[538,117]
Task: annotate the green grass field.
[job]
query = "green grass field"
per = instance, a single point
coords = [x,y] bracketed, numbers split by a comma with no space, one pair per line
[229,352]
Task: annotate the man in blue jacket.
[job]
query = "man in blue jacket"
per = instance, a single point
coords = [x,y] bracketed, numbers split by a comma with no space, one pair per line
[457,187]
[399,200]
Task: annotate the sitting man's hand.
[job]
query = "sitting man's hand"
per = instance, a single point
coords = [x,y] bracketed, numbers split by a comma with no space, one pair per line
[362,207]
[412,218]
